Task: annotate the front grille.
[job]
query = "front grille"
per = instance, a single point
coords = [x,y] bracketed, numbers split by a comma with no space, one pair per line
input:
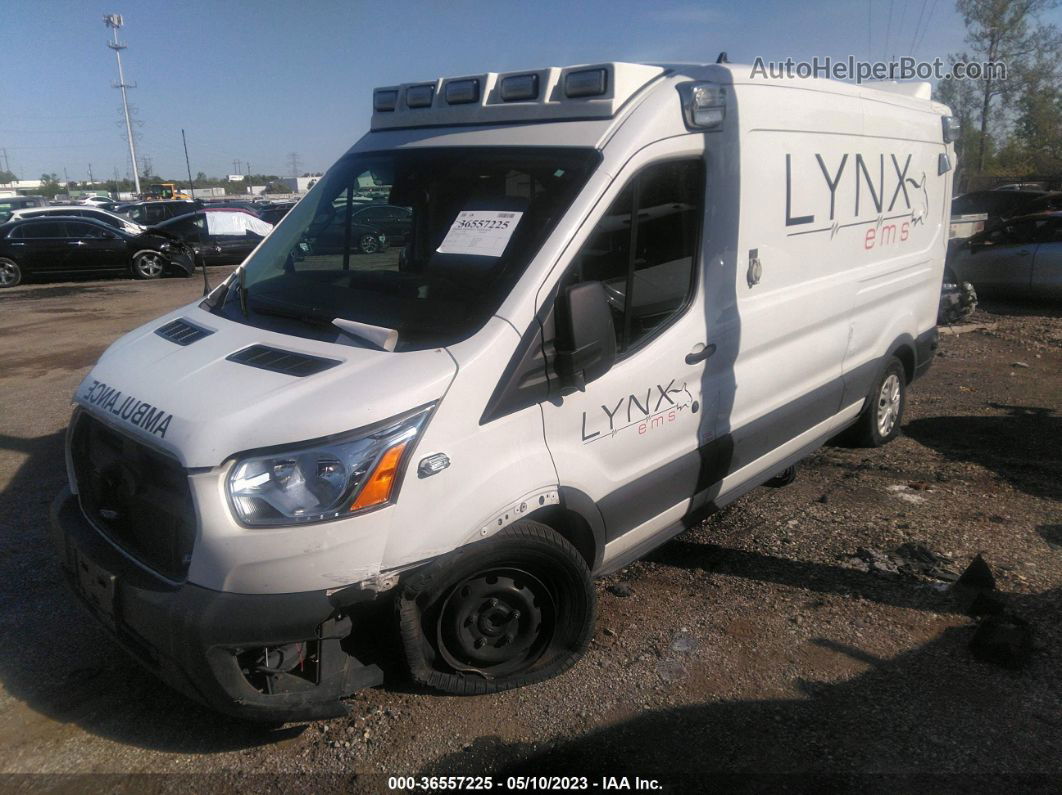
[182,332]
[139,498]
[281,361]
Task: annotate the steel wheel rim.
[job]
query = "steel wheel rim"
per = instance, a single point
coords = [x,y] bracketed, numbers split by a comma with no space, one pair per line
[8,273]
[496,622]
[888,404]
[149,265]
[369,244]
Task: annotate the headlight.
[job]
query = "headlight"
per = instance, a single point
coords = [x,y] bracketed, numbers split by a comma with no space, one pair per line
[326,480]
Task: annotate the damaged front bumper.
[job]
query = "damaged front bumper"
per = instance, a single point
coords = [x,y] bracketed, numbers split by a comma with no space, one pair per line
[268,657]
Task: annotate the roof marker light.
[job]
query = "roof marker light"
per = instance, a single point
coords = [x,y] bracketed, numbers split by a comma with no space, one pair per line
[461,92]
[586,83]
[519,87]
[384,100]
[704,105]
[420,96]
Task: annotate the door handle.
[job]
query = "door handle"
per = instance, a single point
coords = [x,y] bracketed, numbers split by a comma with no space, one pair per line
[1023,253]
[693,357]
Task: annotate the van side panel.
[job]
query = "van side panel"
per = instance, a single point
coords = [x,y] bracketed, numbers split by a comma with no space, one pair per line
[898,273]
[789,324]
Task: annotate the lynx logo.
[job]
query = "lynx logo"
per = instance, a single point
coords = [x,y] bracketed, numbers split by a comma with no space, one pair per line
[853,186]
[658,406]
[137,412]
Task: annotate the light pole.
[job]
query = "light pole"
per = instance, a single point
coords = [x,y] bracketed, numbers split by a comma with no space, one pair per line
[115,21]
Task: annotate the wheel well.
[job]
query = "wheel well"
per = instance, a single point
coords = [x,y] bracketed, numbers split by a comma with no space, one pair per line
[906,355]
[572,527]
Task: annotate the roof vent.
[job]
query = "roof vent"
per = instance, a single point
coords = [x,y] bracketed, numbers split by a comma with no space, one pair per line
[281,361]
[182,332]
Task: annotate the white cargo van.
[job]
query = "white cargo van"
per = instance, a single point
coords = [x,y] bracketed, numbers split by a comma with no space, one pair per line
[624,296]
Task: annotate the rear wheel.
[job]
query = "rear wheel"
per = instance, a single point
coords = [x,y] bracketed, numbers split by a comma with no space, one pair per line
[880,421]
[148,265]
[509,611]
[10,273]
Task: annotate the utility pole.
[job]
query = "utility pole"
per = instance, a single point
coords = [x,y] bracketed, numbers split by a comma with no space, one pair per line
[91,181]
[115,21]
[187,164]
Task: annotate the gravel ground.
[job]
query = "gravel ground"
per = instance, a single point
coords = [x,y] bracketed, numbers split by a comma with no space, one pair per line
[784,637]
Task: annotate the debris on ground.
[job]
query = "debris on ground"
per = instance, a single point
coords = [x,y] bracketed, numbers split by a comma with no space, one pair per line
[978,575]
[621,589]
[910,559]
[906,493]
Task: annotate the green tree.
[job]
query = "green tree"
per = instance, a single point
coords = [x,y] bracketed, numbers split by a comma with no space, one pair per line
[7,176]
[1007,31]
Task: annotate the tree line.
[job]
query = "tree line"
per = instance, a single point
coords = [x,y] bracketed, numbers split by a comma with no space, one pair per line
[1011,126]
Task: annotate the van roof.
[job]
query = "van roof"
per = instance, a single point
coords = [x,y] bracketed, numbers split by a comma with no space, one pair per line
[582,92]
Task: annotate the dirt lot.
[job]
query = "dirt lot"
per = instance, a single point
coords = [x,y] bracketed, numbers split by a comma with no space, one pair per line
[772,640]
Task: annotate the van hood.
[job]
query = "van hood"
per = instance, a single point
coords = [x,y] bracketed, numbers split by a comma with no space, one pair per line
[196,403]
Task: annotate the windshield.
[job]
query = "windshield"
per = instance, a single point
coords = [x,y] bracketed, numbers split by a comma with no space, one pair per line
[426,243]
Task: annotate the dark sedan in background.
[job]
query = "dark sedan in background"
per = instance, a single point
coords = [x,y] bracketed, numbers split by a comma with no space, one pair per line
[1019,257]
[69,246]
[213,248]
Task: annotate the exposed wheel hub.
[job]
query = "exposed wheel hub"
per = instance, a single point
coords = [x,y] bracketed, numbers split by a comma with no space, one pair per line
[495,622]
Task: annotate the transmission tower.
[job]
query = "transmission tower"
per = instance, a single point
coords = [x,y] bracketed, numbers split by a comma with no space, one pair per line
[114,22]
[293,159]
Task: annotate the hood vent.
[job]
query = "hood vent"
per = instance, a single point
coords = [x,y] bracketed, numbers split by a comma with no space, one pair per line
[281,361]
[182,332]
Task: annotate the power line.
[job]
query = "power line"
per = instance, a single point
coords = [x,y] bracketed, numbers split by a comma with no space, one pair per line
[925,30]
[888,33]
[918,24]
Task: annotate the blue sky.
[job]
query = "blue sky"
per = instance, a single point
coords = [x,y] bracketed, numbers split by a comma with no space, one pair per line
[257,80]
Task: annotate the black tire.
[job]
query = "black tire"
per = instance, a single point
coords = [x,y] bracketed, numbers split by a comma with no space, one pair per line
[10,273]
[880,421]
[369,244]
[510,611]
[148,265]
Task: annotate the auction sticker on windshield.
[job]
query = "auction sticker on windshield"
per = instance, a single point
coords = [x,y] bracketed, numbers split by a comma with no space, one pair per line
[484,233]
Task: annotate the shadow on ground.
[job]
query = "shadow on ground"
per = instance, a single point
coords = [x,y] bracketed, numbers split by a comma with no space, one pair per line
[918,722]
[1021,446]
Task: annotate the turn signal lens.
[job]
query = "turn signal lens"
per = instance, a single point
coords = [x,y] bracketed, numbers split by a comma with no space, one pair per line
[378,488]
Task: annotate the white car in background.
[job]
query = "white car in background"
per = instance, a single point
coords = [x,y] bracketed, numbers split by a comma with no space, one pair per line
[90,200]
[82,211]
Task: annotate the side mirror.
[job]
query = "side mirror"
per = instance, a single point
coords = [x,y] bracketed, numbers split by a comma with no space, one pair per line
[586,335]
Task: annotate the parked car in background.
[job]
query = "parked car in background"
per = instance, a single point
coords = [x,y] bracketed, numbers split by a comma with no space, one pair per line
[976,211]
[97,200]
[8,204]
[237,204]
[67,245]
[994,203]
[86,211]
[395,222]
[1020,257]
[327,234]
[273,212]
[220,236]
[1020,186]
[1045,203]
[151,213]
